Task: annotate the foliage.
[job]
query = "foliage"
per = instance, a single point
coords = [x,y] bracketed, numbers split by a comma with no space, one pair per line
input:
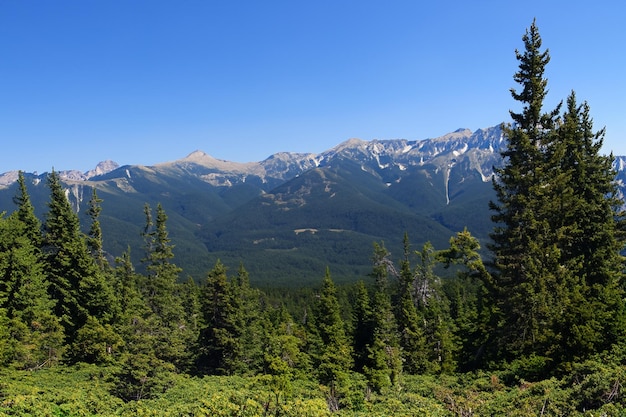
[594,388]
[557,287]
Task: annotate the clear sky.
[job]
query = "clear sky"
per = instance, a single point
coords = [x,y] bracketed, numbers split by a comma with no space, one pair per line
[143,82]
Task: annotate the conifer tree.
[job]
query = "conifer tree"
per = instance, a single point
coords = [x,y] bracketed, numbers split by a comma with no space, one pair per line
[231,332]
[586,220]
[557,284]
[76,282]
[469,304]
[190,298]
[127,290]
[160,287]
[94,241]
[219,349]
[284,357]
[520,237]
[433,307]
[26,213]
[142,372]
[247,310]
[29,306]
[35,335]
[362,327]
[333,358]
[385,362]
[160,291]
[410,324]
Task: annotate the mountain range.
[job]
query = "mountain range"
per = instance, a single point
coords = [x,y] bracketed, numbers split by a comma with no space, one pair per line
[288,217]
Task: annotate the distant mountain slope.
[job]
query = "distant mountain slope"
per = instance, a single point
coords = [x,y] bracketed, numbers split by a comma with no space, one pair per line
[288,217]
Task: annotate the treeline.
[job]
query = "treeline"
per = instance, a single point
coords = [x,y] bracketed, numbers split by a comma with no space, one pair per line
[63,303]
[549,302]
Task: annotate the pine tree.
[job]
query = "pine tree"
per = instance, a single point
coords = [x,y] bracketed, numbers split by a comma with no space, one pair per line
[284,357]
[557,284]
[94,241]
[219,348]
[362,325]
[29,306]
[469,303]
[385,362]
[521,233]
[77,284]
[26,213]
[247,309]
[232,326]
[433,307]
[142,372]
[160,288]
[586,220]
[410,324]
[333,356]
[35,334]
[161,293]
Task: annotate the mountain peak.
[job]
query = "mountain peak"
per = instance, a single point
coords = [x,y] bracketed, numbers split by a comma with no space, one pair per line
[102,168]
[350,143]
[196,154]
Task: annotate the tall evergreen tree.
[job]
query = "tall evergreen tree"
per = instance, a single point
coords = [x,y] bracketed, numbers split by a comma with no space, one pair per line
[160,288]
[29,306]
[333,356]
[520,235]
[35,334]
[247,309]
[142,372]
[385,362]
[284,357]
[586,222]
[557,283]
[26,212]
[77,284]
[161,292]
[362,327]
[219,348]
[469,303]
[410,323]
[94,240]
[434,308]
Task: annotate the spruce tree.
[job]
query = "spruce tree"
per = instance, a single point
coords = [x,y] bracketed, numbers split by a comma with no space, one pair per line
[284,358]
[432,305]
[35,335]
[247,310]
[219,347]
[160,287]
[385,362]
[556,288]
[521,233]
[332,357]
[94,241]
[76,283]
[362,327]
[469,302]
[26,212]
[586,222]
[29,306]
[142,373]
[410,324]
[161,292]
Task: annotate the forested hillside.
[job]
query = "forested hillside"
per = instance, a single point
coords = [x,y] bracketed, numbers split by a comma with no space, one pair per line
[537,330]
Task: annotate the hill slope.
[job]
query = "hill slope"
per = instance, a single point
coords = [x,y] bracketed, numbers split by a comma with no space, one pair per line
[288,217]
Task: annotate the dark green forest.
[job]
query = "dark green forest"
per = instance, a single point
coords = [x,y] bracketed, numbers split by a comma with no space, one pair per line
[537,327]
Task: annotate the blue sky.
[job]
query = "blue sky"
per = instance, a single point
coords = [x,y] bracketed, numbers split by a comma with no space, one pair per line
[143,82]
